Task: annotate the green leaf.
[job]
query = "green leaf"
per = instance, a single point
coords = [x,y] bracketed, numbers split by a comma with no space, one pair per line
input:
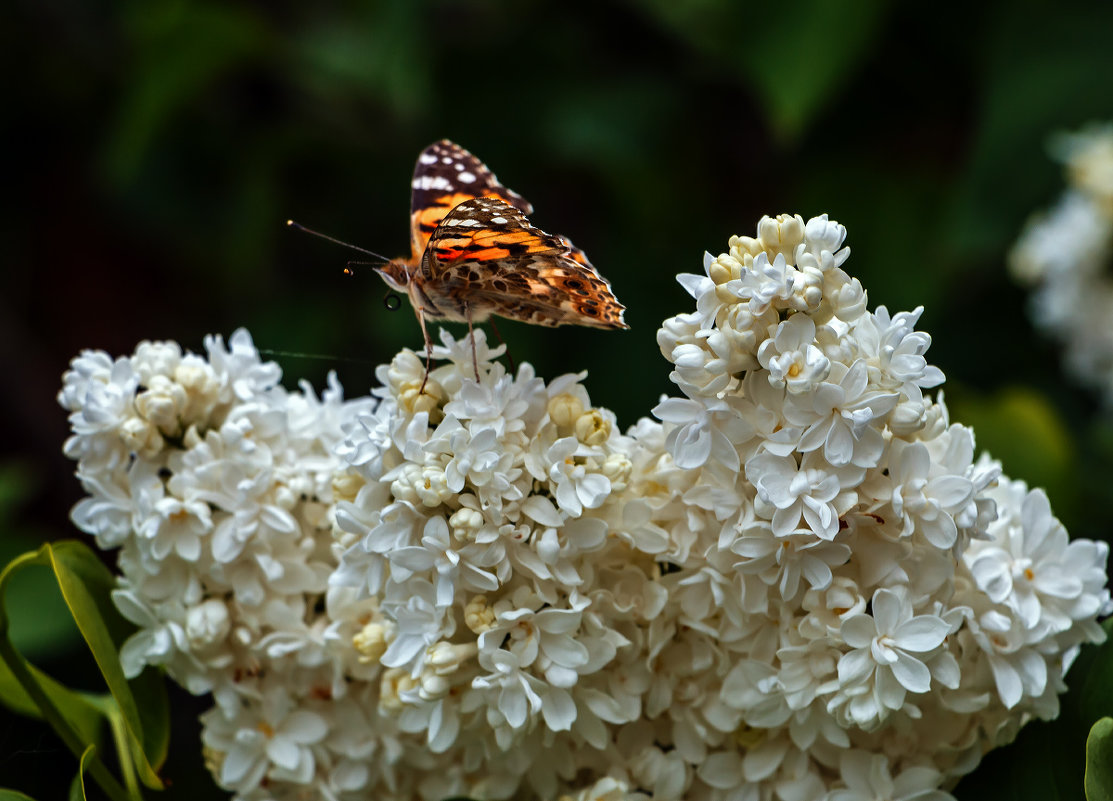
[366,54]
[149,690]
[796,61]
[1099,761]
[13,795]
[49,631]
[79,710]
[87,585]
[55,709]
[180,50]
[1029,91]
[77,786]
[836,38]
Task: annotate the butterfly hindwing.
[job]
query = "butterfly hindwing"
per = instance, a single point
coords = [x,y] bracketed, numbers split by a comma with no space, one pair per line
[487,254]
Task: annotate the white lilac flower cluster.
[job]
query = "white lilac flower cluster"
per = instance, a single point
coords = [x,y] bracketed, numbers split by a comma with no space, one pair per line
[216,485]
[1067,252]
[880,606]
[799,584]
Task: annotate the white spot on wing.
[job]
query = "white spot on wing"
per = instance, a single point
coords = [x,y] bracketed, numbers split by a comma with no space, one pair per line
[432,182]
[466,177]
[447,159]
[498,220]
[427,158]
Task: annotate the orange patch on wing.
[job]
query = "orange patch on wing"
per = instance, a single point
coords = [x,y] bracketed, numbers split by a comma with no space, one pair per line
[452,201]
[452,242]
[490,254]
[502,238]
[430,216]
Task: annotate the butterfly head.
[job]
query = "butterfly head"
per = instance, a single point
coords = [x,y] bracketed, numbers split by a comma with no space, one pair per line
[397,274]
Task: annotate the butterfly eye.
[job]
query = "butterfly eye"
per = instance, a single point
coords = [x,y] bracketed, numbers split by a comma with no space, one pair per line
[392,301]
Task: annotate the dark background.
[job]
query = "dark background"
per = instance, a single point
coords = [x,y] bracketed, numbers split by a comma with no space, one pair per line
[153,151]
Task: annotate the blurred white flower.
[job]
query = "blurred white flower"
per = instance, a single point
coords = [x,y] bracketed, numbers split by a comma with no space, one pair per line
[1065,253]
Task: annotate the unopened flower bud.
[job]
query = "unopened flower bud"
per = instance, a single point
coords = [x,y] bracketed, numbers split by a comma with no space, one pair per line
[725,268]
[394,683]
[285,497]
[907,418]
[781,235]
[592,428]
[564,410]
[162,403]
[372,640]
[617,467]
[202,390]
[141,436]
[346,485]
[465,524]
[478,616]
[207,623]
[414,400]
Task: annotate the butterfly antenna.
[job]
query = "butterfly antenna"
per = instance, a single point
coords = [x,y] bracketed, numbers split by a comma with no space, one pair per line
[299,227]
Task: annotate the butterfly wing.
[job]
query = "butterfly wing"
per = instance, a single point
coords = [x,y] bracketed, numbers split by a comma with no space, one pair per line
[486,256]
[446,175]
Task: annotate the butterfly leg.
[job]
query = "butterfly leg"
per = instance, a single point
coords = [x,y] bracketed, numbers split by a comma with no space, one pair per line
[428,347]
[471,335]
[498,336]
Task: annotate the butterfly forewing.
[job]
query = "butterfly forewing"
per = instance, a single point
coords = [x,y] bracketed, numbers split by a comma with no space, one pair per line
[445,176]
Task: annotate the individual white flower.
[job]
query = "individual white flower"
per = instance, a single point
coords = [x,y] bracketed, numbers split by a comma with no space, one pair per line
[1030,567]
[161,640]
[418,622]
[239,366]
[177,527]
[272,740]
[207,624]
[809,491]
[792,358]
[575,486]
[841,416]
[702,432]
[884,644]
[783,561]
[869,777]
[895,351]
[926,503]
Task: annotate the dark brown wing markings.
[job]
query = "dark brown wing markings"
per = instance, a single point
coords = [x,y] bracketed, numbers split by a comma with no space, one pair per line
[486,253]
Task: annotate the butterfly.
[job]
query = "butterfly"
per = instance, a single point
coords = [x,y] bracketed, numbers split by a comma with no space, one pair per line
[474,255]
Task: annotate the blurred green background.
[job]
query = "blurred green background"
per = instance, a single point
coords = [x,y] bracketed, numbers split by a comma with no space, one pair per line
[155,149]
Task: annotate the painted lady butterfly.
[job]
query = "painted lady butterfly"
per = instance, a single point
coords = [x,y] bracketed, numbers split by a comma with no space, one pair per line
[474,254]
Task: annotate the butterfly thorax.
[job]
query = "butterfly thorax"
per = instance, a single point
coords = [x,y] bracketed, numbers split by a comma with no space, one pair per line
[404,275]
